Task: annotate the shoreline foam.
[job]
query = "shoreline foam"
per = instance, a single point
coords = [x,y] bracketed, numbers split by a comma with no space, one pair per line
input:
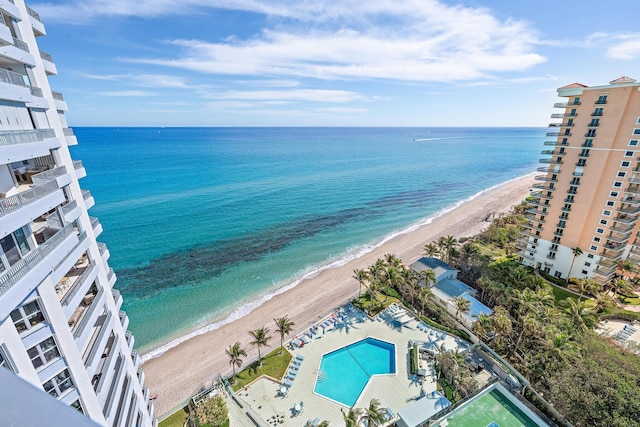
[194,364]
[343,259]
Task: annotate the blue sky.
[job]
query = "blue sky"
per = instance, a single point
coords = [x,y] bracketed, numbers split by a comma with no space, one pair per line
[331,62]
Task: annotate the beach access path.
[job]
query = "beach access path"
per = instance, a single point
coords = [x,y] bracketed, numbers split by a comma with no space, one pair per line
[194,364]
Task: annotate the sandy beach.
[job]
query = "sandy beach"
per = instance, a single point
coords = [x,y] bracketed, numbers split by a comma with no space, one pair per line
[183,370]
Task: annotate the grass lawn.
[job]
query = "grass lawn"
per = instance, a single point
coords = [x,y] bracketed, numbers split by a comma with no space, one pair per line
[176,420]
[273,364]
[364,303]
[629,301]
[561,294]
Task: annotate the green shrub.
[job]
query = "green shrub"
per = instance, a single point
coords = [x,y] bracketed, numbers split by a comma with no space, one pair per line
[414,360]
[558,281]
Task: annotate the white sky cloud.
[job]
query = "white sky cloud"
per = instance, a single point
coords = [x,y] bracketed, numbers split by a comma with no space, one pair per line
[627,48]
[131,93]
[314,95]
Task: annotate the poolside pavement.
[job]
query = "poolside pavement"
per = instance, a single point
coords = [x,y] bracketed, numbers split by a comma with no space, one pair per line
[395,391]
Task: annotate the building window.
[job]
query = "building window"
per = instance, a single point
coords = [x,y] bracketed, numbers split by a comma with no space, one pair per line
[628,153]
[633,142]
[621,174]
[593,248]
[590,256]
[77,405]
[638,122]
[613,194]
[617,184]
[636,131]
[584,272]
[603,221]
[587,264]
[602,99]
[625,164]
[610,203]
[599,230]
[4,360]
[43,353]
[596,239]
[14,247]
[606,212]
[27,316]
[557,274]
[57,385]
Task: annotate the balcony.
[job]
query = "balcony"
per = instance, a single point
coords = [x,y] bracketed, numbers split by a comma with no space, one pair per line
[576,174]
[593,125]
[601,101]
[16,202]
[626,219]
[622,229]
[117,297]
[546,178]
[563,115]
[76,280]
[558,233]
[541,195]
[572,192]
[111,276]
[96,226]
[569,199]
[542,186]
[629,210]
[558,134]
[58,99]
[565,104]
[17,145]
[591,134]
[557,143]
[612,255]
[561,125]
[88,199]
[566,209]
[630,200]
[549,152]
[530,232]
[582,155]
[86,314]
[106,357]
[47,62]
[525,254]
[124,319]
[633,189]
[556,161]
[587,144]
[525,247]
[635,250]
[618,239]
[605,271]
[598,114]
[535,211]
[104,251]
[47,256]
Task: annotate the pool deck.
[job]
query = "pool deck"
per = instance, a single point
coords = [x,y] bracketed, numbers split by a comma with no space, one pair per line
[395,391]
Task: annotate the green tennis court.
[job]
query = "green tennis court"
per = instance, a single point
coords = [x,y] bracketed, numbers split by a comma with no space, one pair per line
[492,409]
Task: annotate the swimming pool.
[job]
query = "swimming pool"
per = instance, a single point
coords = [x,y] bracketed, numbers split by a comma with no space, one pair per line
[345,372]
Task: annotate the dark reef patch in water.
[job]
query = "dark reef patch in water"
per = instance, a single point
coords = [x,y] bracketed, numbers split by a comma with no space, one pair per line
[197,264]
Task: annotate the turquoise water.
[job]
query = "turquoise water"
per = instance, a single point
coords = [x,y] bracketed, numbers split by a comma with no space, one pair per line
[345,372]
[205,223]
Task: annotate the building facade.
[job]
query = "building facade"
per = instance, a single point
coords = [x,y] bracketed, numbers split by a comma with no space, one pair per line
[583,213]
[61,327]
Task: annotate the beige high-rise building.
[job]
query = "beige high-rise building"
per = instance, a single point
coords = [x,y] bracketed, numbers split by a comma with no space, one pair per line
[584,210]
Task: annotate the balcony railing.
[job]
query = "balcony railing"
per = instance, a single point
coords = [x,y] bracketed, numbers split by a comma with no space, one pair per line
[601,102]
[551,160]
[20,44]
[15,202]
[44,55]
[599,114]
[555,143]
[633,189]
[590,134]
[77,164]
[45,176]
[541,195]
[32,259]
[36,91]
[67,132]
[57,96]
[13,137]
[33,13]
[11,77]
[565,104]
[546,178]
[78,283]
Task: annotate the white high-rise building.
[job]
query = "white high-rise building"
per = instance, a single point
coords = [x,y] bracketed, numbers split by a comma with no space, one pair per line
[61,327]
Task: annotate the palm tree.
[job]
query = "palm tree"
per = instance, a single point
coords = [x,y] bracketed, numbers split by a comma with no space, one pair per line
[462,305]
[235,353]
[373,414]
[324,423]
[284,326]
[431,250]
[581,313]
[361,276]
[483,325]
[351,418]
[448,246]
[426,294]
[429,277]
[627,266]
[260,338]
[576,253]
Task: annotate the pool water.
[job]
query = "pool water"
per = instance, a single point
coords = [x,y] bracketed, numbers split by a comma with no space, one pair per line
[344,373]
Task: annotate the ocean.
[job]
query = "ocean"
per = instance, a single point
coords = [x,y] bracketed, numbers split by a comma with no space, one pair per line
[205,223]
